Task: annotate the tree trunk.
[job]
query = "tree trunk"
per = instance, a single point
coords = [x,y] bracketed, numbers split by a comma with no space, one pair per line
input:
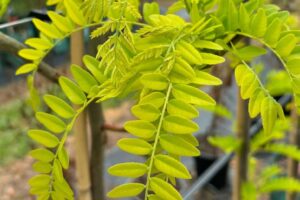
[96,120]
[294,139]
[80,129]
[242,153]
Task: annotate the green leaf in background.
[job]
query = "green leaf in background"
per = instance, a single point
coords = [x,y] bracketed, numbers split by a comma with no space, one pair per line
[227,143]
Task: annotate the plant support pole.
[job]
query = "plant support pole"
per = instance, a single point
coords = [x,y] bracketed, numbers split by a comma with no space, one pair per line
[294,139]
[242,154]
[80,129]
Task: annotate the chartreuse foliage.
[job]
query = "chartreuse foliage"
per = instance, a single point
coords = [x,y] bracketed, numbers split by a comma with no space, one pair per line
[165,61]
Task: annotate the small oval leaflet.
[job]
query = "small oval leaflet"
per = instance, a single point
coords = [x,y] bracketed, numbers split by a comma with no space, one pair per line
[135,146]
[126,190]
[140,128]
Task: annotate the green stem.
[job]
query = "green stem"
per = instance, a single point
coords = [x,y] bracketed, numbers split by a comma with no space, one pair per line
[65,135]
[269,47]
[156,139]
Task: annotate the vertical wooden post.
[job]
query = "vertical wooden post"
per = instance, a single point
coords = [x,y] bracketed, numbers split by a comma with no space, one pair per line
[242,153]
[80,129]
[294,139]
[98,139]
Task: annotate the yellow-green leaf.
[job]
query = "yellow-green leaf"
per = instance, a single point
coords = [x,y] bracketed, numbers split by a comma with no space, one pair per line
[268,114]
[59,106]
[255,103]
[31,54]
[286,45]
[293,66]
[140,128]
[129,169]
[26,68]
[39,180]
[212,59]
[259,23]
[178,146]
[155,81]
[47,29]
[135,146]
[179,125]
[190,94]
[156,99]
[204,78]
[205,44]
[164,189]
[273,32]
[41,154]
[178,107]
[84,79]
[170,166]
[62,23]
[51,122]
[146,112]
[42,167]
[126,190]
[92,64]
[63,158]
[39,43]
[74,12]
[43,137]
[72,91]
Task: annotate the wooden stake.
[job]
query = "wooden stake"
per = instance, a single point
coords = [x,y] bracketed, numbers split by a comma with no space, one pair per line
[242,154]
[80,129]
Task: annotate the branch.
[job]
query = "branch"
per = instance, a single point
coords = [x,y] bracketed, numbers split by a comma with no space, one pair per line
[10,45]
[109,127]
